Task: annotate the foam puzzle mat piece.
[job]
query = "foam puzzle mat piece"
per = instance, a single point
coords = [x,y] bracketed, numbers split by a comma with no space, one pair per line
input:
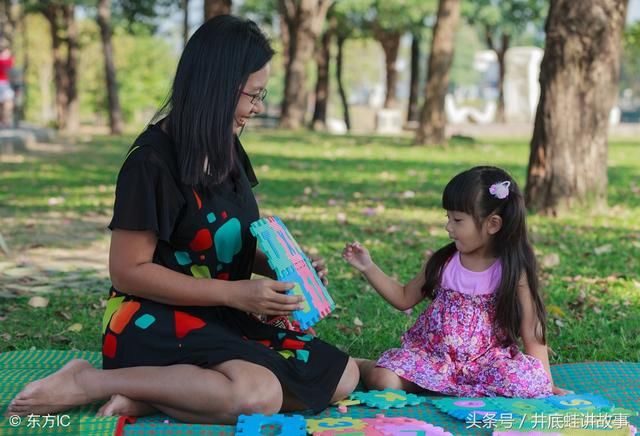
[478,408]
[336,424]
[403,426]
[250,425]
[291,264]
[387,398]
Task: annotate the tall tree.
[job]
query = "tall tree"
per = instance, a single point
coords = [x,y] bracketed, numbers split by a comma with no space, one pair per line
[499,22]
[104,22]
[432,117]
[389,21]
[185,22]
[65,47]
[7,21]
[579,83]
[323,56]
[414,81]
[216,7]
[304,20]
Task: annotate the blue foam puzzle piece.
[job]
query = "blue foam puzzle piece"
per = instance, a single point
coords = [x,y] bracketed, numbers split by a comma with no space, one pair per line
[578,401]
[250,425]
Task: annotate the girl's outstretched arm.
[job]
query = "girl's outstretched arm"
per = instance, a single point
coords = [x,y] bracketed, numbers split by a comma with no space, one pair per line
[529,326]
[402,297]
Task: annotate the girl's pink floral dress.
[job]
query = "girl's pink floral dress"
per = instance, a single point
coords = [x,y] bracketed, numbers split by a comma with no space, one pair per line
[454,348]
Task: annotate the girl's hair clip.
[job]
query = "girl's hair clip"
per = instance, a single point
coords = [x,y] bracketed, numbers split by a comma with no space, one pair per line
[500,190]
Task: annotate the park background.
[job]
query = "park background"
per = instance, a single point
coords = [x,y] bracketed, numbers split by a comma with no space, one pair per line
[364,127]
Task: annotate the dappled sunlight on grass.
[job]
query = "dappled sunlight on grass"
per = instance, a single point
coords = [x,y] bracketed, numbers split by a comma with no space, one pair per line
[382,191]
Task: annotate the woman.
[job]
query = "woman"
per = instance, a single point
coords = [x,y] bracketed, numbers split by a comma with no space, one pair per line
[177,336]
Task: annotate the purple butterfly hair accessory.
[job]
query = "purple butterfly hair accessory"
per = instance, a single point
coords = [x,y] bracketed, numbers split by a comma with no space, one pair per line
[500,190]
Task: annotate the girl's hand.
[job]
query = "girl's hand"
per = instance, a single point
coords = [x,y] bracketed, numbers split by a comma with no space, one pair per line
[559,391]
[357,256]
[265,296]
[321,268]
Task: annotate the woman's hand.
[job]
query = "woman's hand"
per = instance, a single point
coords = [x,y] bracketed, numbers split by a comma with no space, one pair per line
[321,268]
[265,296]
[357,256]
[559,391]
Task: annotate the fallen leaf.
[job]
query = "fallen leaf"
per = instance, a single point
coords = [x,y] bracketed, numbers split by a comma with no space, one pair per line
[64,314]
[603,249]
[75,327]
[551,260]
[38,302]
[357,322]
[555,311]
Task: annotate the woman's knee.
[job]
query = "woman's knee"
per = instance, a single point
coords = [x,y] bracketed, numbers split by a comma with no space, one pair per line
[348,381]
[260,395]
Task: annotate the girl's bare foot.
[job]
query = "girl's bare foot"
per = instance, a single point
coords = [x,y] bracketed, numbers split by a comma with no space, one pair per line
[119,405]
[57,392]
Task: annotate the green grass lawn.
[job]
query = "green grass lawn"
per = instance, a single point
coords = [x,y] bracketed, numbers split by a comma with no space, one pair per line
[328,190]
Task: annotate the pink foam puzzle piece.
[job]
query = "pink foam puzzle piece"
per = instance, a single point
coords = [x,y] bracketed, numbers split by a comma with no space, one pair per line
[403,426]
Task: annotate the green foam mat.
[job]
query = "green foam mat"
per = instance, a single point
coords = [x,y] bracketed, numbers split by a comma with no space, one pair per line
[617,381]
[17,368]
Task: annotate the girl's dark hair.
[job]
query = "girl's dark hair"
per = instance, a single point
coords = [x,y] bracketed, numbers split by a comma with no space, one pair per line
[468,192]
[212,72]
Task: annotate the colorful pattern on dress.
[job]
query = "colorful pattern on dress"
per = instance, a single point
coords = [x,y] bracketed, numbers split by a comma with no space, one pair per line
[288,345]
[454,348]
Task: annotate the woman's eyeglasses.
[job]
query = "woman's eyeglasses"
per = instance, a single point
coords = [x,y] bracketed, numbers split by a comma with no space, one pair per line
[260,96]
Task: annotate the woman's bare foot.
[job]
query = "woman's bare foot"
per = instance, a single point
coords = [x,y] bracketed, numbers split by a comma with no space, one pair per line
[119,405]
[57,392]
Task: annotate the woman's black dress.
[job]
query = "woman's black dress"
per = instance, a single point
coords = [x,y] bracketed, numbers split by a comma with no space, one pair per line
[205,235]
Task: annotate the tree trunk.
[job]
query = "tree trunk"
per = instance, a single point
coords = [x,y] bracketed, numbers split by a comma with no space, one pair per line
[104,21]
[51,13]
[7,22]
[213,8]
[185,22]
[390,41]
[304,20]
[61,16]
[578,86]
[343,96]
[323,55]
[71,67]
[284,37]
[414,84]
[432,116]
[21,108]
[501,52]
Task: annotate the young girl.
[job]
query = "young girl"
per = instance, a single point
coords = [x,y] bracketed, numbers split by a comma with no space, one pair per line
[485,295]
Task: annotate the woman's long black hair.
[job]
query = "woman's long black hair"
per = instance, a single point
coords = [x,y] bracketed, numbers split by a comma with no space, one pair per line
[212,72]
[468,192]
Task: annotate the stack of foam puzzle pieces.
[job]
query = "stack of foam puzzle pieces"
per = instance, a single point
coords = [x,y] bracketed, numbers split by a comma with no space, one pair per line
[290,264]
